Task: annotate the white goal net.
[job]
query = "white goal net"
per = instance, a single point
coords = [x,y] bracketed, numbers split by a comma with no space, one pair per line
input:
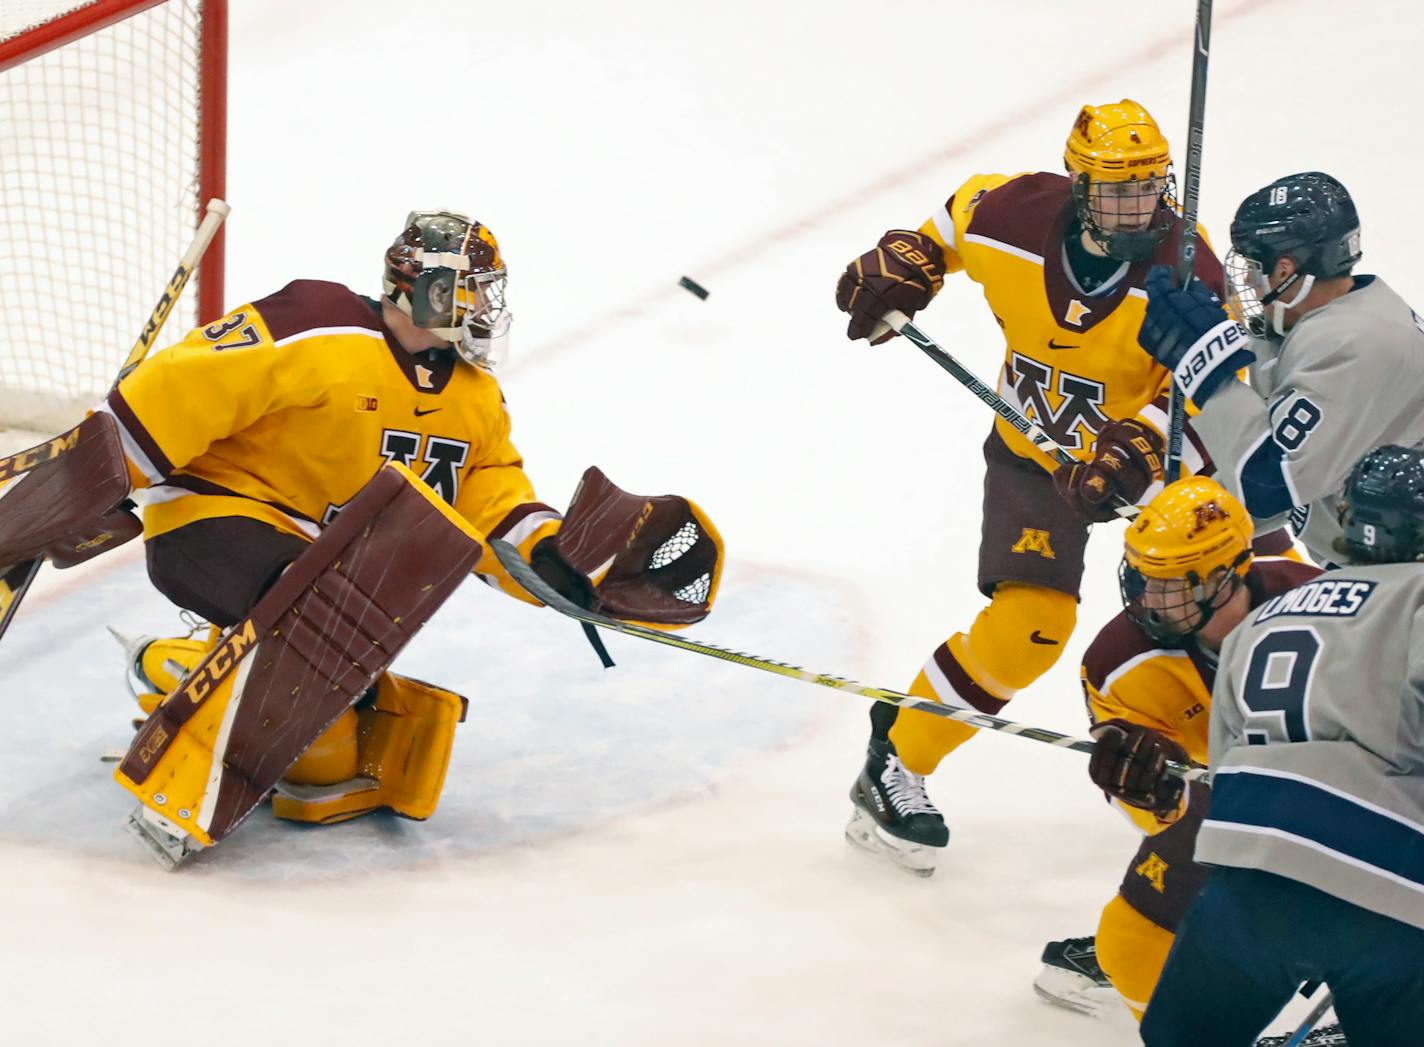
[111,123]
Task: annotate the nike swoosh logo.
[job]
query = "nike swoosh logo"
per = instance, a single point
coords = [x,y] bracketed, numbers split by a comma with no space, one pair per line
[1054,345]
[1036,637]
[421,414]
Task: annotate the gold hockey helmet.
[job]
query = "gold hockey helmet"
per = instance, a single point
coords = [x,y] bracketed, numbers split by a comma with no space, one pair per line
[1121,169]
[1184,556]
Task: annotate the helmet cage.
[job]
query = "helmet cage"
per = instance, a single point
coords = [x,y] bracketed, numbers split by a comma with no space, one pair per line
[446,274]
[1249,294]
[1145,204]
[1170,610]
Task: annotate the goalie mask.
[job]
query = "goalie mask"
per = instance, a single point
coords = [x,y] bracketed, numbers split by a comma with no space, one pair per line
[1118,160]
[445,272]
[1184,557]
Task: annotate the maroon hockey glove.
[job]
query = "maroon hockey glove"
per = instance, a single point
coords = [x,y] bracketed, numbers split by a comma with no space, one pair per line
[1129,763]
[904,271]
[1126,459]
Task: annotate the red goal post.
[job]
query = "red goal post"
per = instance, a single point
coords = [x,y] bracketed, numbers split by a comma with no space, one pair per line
[113,127]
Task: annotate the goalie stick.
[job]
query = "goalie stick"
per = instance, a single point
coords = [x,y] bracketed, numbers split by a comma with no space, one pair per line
[523,574]
[16,579]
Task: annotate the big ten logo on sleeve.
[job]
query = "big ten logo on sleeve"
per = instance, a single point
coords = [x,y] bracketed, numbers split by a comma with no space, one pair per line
[232,332]
[1080,401]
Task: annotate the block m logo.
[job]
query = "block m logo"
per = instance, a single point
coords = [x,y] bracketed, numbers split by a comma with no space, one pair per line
[1080,401]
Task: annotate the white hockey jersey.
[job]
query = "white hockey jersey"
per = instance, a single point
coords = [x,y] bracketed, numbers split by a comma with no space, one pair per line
[1317,740]
[1347,378]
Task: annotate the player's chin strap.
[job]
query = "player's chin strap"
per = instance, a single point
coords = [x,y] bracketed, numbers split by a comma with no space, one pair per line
[1278,308]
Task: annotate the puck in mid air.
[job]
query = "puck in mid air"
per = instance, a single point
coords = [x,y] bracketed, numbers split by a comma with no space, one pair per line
[693,286]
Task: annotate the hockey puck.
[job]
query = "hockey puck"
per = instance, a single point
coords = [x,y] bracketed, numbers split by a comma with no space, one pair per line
[693,286]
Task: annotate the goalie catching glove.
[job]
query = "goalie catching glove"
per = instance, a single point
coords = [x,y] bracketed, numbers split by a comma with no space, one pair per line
[655,560]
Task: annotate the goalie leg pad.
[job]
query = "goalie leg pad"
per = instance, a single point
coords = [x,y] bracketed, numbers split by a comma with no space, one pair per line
[156,665]
[399,759]
[69,505]
[311,647]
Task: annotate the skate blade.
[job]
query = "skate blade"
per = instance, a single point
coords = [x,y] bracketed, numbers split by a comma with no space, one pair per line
[864,833]
[1074,992]
[157,835]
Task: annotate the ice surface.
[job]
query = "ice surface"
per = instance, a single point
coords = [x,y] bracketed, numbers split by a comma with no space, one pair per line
[653,855]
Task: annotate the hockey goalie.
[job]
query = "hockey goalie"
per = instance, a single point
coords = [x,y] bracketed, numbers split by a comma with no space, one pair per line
[319,472]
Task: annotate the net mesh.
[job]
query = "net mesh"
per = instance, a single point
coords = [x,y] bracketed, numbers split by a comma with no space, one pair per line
[682,540]
[99,160]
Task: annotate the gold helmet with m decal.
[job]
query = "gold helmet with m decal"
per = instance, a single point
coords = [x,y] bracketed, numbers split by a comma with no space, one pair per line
[1184,556]
[1121,169]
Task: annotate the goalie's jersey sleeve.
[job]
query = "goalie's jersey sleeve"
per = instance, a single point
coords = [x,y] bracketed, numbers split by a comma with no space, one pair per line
[1072,360]
[1128,675]
[284,409]
[1317,740]
[1347,378]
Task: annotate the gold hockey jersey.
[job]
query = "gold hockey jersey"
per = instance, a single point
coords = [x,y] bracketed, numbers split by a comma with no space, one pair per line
[1072,361]
[285,408]
[1128,675]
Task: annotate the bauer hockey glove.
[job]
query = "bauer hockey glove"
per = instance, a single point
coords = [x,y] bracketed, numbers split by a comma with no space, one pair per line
[1129,763]
[1187,331]
[1127,458]
[904,271]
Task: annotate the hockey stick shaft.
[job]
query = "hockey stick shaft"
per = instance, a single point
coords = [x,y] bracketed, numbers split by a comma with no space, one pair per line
[1311,1020]
[217,211]
[16,579]
[525,576]
[900,323]
[1191,196]
[23,461]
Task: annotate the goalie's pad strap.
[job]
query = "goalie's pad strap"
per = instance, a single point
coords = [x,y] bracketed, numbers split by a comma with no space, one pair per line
[67,496]
[310,648]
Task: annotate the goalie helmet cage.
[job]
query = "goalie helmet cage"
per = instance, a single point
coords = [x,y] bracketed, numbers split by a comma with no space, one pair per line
[113,121]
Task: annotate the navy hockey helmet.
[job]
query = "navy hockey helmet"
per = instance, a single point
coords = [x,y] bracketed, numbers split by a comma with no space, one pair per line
[1307,217]
[1382,512]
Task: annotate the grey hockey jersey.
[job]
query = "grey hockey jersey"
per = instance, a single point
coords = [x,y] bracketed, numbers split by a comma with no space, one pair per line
[1317,740]
[1347,378]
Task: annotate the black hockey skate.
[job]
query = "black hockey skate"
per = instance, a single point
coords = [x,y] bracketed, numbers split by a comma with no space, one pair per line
[893,816]
[1071,977]
[1325,1036]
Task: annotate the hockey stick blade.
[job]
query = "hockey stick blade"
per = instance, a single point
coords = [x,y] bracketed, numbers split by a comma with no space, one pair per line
[536,587]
